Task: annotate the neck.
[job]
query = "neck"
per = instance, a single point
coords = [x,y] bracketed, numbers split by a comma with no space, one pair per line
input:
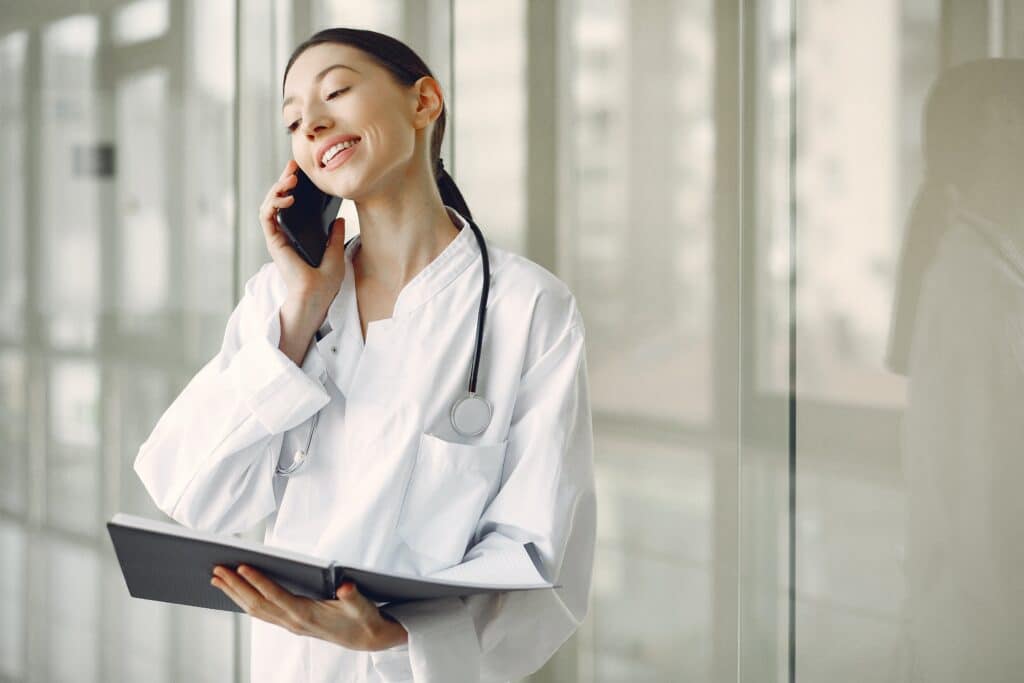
[397,240]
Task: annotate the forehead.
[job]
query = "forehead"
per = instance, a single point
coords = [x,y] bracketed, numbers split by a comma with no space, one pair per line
[315,59]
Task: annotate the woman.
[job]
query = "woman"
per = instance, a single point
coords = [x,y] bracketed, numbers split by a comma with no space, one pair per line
[378,343]
[958,334]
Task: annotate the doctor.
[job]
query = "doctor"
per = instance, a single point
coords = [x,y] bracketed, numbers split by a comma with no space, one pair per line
[372,349]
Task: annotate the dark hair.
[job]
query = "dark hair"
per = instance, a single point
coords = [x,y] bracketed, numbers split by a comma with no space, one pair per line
[953,124]
[405,67]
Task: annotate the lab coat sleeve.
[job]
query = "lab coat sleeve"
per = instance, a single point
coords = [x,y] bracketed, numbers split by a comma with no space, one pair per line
[547,496]
[210,461]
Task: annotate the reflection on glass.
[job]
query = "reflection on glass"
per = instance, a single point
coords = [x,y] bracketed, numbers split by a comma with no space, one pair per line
[12,601]
[72,463]
[855,170]
[12,191]
[959,337]
[69,199]
[140,20]
[849,151]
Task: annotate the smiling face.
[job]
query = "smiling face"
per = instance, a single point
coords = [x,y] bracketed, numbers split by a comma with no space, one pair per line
[326,104]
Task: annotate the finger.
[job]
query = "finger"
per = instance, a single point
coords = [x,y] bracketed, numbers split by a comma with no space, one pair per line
[348,594]
[251,600]
[284,186]
[289,168]
[277,203]
[268,214]
[226,589]
[336,244]
[295,606]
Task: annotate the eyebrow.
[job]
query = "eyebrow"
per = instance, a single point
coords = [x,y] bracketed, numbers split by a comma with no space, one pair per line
[319,77]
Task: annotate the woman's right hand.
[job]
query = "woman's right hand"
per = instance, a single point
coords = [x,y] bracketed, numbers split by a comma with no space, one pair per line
[302,279]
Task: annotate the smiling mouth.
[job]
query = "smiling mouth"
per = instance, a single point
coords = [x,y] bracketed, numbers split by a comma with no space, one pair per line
[340,156]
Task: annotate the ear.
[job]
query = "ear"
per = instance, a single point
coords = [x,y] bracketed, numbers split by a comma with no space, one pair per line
[429,101]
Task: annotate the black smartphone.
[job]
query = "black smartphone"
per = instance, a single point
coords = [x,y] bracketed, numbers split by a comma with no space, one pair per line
[307,222]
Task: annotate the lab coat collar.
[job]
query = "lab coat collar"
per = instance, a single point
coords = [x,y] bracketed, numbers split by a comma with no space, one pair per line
[459,253]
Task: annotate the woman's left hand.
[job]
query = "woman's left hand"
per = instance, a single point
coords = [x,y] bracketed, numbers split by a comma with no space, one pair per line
[351,621]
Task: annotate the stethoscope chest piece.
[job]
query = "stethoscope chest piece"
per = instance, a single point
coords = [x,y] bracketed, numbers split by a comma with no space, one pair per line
[471,414]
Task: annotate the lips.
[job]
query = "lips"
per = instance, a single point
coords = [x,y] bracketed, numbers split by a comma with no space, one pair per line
[331,142]
[340,158]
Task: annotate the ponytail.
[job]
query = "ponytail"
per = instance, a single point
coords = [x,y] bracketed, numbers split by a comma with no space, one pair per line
[450,194]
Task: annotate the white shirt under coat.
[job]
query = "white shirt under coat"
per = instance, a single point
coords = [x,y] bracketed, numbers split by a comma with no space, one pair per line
[388,483]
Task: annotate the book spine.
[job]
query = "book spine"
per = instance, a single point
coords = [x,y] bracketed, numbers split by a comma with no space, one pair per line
[329,582]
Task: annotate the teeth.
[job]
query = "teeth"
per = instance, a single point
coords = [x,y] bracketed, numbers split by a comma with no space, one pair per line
[329,154]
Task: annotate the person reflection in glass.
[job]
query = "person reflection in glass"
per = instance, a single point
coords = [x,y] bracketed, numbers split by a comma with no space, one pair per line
[958,335]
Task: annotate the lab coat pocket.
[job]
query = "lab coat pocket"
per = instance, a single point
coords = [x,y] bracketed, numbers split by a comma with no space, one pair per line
[450,485]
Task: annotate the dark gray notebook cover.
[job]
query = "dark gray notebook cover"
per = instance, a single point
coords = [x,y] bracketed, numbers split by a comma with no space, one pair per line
[171,563]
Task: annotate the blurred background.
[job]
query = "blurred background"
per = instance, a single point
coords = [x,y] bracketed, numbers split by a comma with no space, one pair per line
[727,187]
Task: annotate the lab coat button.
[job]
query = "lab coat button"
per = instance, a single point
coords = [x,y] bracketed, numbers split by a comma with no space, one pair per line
[334,349]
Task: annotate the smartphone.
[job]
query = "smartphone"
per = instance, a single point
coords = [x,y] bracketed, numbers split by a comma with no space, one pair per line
[307,222]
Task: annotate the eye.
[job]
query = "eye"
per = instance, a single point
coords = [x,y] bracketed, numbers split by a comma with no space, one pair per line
[291,129]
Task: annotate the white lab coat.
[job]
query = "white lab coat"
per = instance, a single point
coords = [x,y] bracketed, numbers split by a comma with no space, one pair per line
[962,460]
[388,482]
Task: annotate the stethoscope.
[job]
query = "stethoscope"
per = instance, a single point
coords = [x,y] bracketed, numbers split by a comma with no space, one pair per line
[470,413]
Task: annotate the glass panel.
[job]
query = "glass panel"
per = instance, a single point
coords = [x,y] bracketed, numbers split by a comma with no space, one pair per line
[207,225]
[72,613]
[381,15]
[13,617]
[143,396]
[142,648]
[12,192]
[641,247]
[13,426]
[143,258]
[69,244]
[205,637]
[909,372]
[654,566]
[140,20]
[73,463]
[639,237]
[489,158]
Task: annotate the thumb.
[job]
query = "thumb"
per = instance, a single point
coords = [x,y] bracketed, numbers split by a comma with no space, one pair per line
[346,591]
[334,253]
[337,231]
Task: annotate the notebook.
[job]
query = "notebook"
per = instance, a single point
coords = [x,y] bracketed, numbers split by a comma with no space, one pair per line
[172,563]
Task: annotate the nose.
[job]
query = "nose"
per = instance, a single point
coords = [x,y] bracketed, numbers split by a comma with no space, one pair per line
[314,119]
[312,125]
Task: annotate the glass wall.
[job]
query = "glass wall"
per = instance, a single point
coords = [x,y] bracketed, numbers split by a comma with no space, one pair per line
[792,227]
